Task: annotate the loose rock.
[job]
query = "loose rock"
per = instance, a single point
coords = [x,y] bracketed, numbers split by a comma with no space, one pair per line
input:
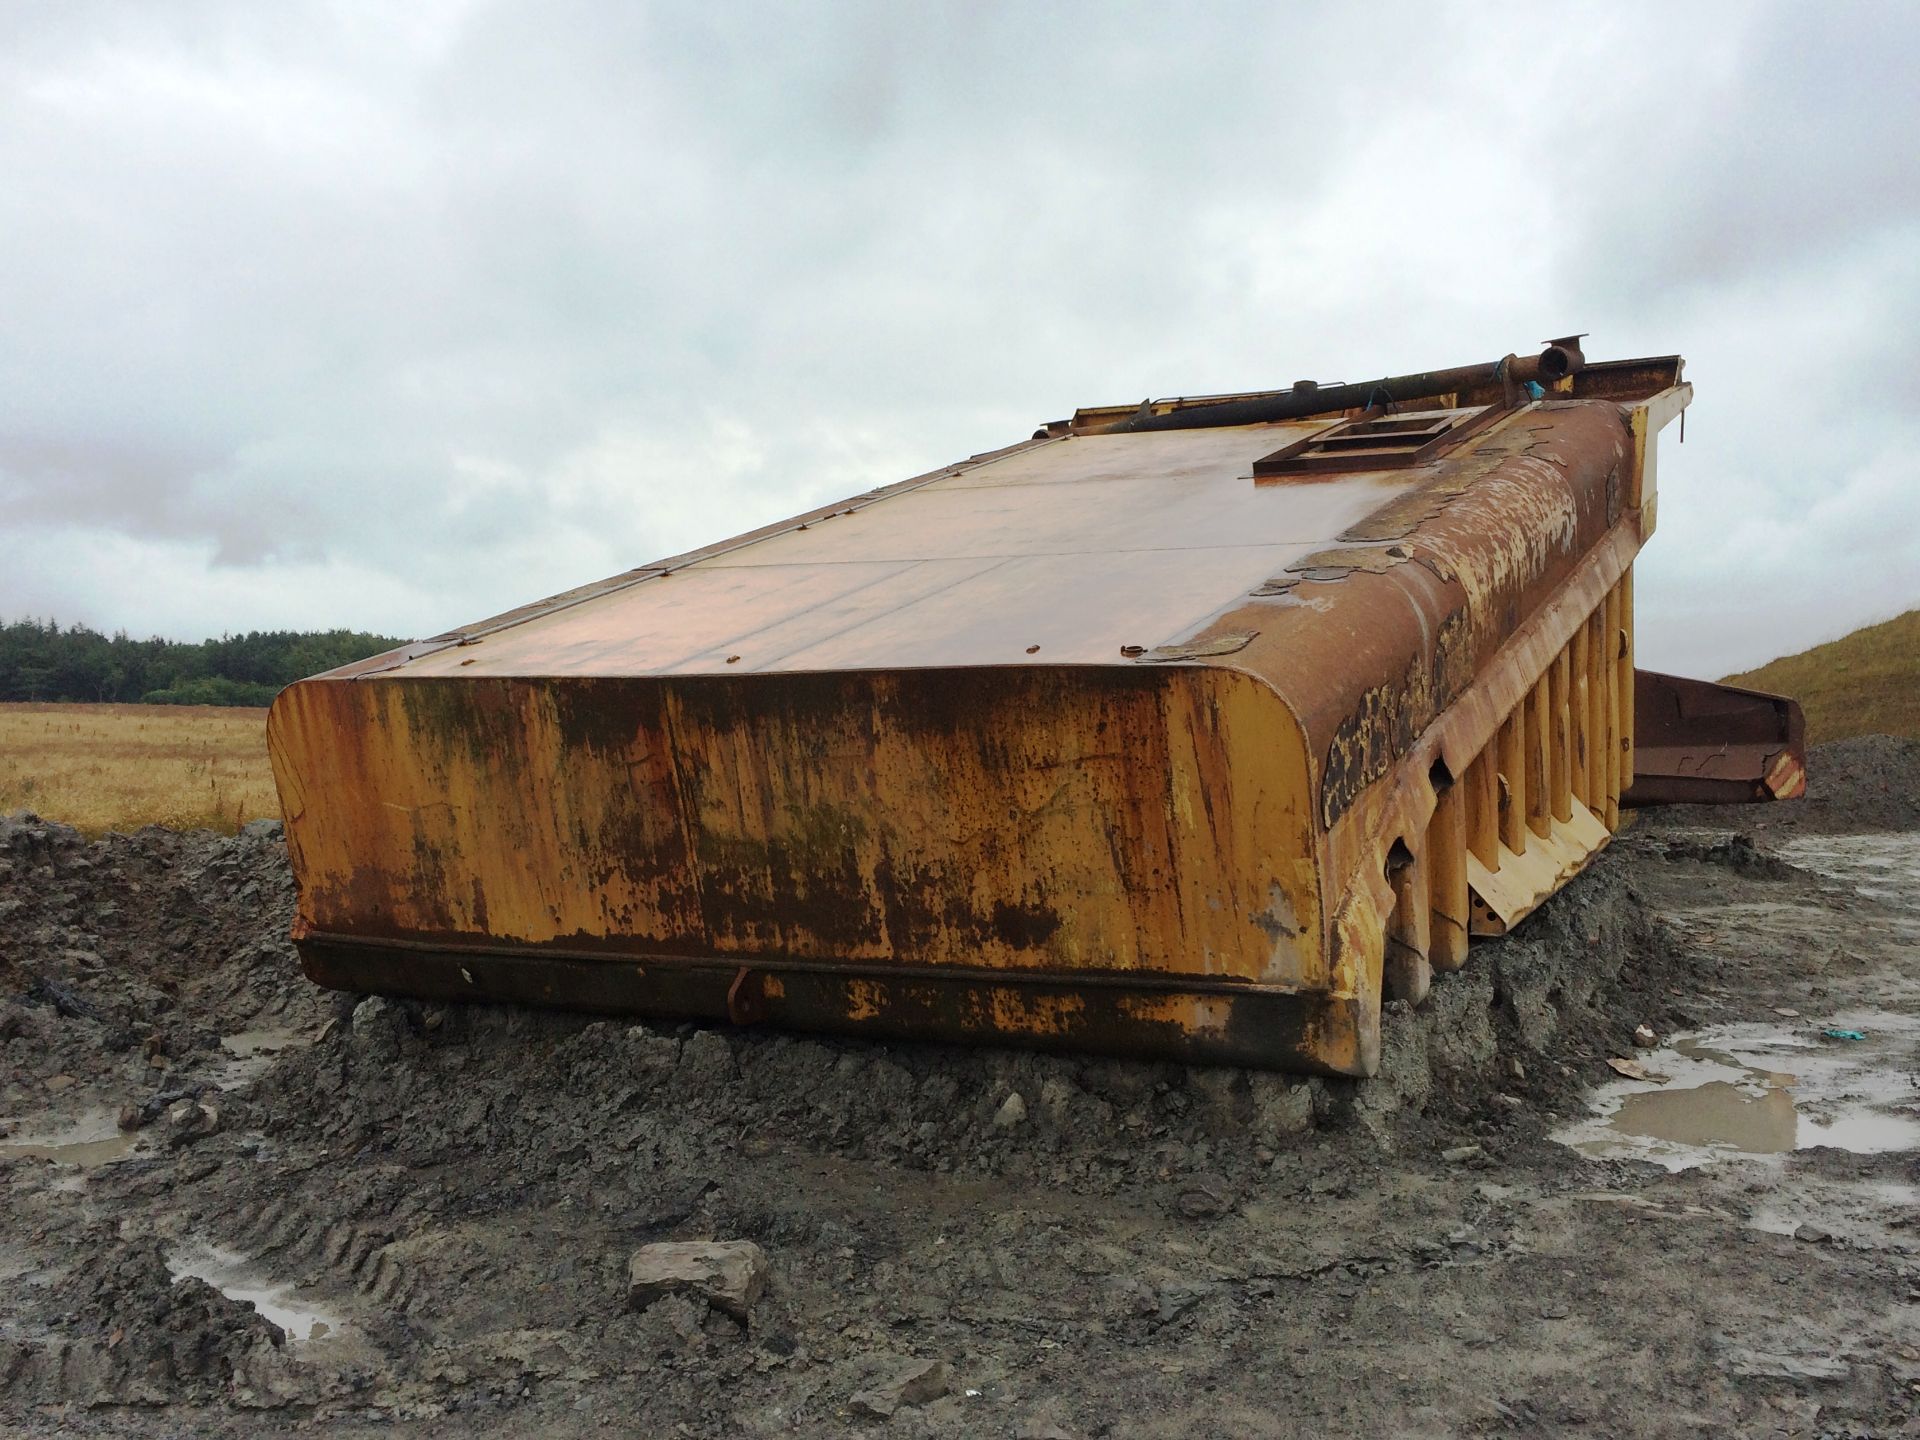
[914,1383]
[189,1120]
[730,1275]
[1770,1365]
[1201,1197]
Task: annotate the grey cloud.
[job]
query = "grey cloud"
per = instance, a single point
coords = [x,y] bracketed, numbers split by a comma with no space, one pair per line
[486,299]
[1788,142]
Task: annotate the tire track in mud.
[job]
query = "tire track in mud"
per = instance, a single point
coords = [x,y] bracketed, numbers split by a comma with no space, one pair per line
[287,1236]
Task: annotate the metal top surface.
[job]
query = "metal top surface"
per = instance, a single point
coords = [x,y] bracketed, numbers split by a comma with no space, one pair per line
[1076,545]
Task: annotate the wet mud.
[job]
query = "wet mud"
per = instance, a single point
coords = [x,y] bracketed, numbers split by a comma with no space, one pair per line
[236,1204]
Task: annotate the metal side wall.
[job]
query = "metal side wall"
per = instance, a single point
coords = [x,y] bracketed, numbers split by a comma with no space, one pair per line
[1111,859]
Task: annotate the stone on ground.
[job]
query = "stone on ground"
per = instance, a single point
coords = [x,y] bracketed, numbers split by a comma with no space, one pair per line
[730,1275]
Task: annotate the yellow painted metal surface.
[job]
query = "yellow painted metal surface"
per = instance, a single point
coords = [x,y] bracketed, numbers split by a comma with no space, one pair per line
[951,829]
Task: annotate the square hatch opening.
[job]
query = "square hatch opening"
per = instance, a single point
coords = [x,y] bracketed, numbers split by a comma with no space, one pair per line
[1380,442]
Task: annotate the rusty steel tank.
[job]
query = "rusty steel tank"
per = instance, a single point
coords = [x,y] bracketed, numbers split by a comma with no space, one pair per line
[1189,729]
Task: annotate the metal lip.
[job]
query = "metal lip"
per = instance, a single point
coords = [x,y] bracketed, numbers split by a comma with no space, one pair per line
[1157,981]
[1302,1031]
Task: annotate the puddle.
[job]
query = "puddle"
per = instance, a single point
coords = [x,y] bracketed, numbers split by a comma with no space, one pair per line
[250,1052]
[266,1041]
[1756,1090]
[230,1272]
[1716,1113]
[93,1139]
[1765,1089]
[1882,867]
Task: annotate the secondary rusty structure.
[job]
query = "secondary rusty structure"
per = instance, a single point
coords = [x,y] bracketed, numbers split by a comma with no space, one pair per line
[1189,729]
[1713,744]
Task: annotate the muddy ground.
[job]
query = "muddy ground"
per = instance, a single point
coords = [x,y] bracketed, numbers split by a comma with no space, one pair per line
[234,1204]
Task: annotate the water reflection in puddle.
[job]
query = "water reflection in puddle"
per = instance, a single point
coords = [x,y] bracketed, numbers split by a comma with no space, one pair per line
[250,1052]
[1716,1113]
[1754,1090]
[93,1139]
[231,1273]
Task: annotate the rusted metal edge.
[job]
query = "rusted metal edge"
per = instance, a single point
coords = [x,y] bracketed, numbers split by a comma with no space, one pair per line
[1254,1026]
[626,579]
[1467,726]
[1156,981]
[1786,782]
[1518,664]
[1627,381]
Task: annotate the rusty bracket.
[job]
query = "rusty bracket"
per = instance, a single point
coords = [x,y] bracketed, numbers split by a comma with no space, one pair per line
[747,998]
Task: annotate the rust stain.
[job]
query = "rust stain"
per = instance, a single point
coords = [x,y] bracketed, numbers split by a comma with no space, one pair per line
[1383,725]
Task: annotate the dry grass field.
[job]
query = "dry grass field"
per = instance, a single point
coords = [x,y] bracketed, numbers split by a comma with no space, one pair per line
[118,767]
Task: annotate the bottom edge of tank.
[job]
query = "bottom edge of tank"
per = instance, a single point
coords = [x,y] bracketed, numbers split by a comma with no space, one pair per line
[1156,1017]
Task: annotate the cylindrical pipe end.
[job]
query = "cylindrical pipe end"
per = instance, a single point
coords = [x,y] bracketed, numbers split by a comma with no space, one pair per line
[1561,359]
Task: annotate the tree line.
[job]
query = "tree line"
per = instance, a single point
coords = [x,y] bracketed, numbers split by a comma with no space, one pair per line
[40,660]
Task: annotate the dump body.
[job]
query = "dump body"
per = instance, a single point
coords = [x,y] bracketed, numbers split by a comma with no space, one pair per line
[1709,744]
[1141,737]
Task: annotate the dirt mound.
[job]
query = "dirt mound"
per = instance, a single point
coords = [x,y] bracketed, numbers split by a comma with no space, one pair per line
[1867,783]
[134,1335]
[124,961]
[560,1100]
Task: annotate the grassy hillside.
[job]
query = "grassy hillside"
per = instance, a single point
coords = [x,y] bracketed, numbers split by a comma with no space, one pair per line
[1866,683]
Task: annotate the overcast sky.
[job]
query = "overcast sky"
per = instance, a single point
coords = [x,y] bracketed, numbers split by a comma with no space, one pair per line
[395,315]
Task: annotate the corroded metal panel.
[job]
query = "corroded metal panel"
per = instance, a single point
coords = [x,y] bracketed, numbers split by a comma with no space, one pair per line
[1080,545]
[1713,744]
[1150,827]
